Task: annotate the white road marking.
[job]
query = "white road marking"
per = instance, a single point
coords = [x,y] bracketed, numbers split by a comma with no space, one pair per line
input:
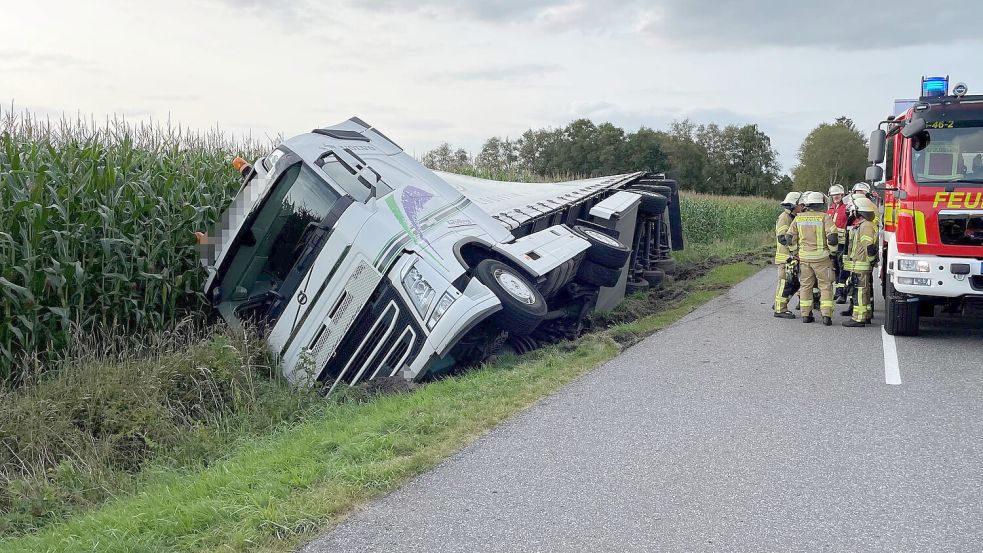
[892,372]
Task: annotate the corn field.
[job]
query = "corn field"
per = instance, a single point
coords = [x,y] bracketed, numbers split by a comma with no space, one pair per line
[708,218]
[96,230]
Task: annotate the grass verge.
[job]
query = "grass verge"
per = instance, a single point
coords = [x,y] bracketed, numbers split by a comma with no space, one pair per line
[273,492]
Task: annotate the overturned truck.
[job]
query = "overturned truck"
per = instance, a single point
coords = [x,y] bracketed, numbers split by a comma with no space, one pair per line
[359,263]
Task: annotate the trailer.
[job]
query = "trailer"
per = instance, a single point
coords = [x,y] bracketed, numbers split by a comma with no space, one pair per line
[358,263]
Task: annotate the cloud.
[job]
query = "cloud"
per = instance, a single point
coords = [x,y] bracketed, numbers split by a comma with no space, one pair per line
[840,24]
[497,11]
[501,73]
[17,59]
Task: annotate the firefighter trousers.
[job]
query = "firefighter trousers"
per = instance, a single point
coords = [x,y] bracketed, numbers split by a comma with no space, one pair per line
[812,273]
[781,300]
[863,295]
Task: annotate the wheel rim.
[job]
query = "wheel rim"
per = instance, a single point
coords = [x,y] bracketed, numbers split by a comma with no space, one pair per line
[602,238]
[515,286]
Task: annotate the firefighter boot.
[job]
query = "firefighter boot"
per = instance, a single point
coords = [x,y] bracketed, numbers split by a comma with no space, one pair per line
[808,318]
[853,324]
[784,315]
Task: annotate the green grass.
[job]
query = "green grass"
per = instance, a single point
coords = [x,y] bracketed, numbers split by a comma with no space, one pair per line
[272,492]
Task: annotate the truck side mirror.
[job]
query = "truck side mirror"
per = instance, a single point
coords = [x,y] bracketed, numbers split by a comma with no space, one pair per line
[875,153]
[913,127]
[874,173]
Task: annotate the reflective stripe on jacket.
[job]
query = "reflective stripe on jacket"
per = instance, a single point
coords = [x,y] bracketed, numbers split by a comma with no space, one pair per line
[781,229]
[808,235]
[861,236]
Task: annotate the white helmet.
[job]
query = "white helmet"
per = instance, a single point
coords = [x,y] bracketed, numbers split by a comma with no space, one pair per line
[813,198]
[836,189]
[791,198]
[861,187]
[864,205]
[803,197]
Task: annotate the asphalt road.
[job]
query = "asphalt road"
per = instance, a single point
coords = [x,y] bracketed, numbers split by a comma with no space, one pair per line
[730,430]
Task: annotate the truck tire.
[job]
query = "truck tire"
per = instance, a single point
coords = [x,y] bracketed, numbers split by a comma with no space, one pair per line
[652,203]
[559,277]
[668,266]
[636,286]
[523,307]
[900,315]
[654,277]
[658,189]
[604,250]
[598,275]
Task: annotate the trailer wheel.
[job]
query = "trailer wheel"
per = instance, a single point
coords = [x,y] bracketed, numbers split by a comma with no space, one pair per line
[654,277]
[636,286]
[598,275]
[523,307]
[668,265]
[900,315]
[604,249]
[658,189]
[652,203]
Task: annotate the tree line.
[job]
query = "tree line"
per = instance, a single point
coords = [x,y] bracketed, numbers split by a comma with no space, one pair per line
[730,160]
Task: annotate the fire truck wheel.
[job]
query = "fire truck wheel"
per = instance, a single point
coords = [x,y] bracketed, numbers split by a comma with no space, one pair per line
[604,249]
[900,315]
[598,275]
[523,307]
[652,203]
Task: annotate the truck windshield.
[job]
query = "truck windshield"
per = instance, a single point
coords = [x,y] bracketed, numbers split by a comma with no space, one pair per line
[274,237]
[949,150]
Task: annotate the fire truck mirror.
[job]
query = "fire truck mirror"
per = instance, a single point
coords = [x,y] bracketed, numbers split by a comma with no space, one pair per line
[875,154]
[874,173]
[913,127]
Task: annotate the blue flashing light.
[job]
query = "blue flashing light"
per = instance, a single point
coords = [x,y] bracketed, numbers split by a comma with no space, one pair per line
[935,87]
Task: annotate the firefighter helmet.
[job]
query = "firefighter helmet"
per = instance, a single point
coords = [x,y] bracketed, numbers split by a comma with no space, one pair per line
[791,198]
[864,205]
[836,189]
[814,199]
[861,187]
[802,198]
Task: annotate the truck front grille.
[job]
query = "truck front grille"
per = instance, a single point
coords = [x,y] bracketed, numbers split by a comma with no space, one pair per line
[383,337]
[359,287]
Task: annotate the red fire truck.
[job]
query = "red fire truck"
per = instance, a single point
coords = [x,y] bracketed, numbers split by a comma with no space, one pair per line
[932,184]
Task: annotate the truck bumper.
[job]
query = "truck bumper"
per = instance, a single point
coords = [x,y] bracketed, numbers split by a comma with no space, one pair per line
[947,277]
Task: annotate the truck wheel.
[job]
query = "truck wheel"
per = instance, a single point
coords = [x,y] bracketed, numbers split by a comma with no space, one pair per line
[668,266]
[652,203]
[604,249]
[598,275]
[658,189]
[523,307]
[636,286]
[559,277]
[900,315]
[654,277]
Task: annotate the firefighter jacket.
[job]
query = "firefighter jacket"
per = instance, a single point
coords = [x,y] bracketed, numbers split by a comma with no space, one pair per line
[810,234]
[838,213]
[859,258]
[781,229]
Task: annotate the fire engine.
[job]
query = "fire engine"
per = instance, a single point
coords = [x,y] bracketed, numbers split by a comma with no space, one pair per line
[931,258]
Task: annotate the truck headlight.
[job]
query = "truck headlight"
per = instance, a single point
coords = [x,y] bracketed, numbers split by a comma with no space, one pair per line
[419,290]
[443,304]
[919,266]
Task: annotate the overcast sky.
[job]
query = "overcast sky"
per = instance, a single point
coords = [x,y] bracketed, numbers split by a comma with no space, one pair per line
[425,72]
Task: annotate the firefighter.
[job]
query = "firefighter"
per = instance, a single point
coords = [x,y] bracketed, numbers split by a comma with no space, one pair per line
[837,210]
[860,259]
[786,269]
[810,237]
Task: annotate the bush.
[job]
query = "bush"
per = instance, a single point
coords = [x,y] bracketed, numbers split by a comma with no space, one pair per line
[708,218]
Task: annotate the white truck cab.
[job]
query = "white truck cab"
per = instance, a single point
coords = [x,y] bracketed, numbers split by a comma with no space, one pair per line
[360,263]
